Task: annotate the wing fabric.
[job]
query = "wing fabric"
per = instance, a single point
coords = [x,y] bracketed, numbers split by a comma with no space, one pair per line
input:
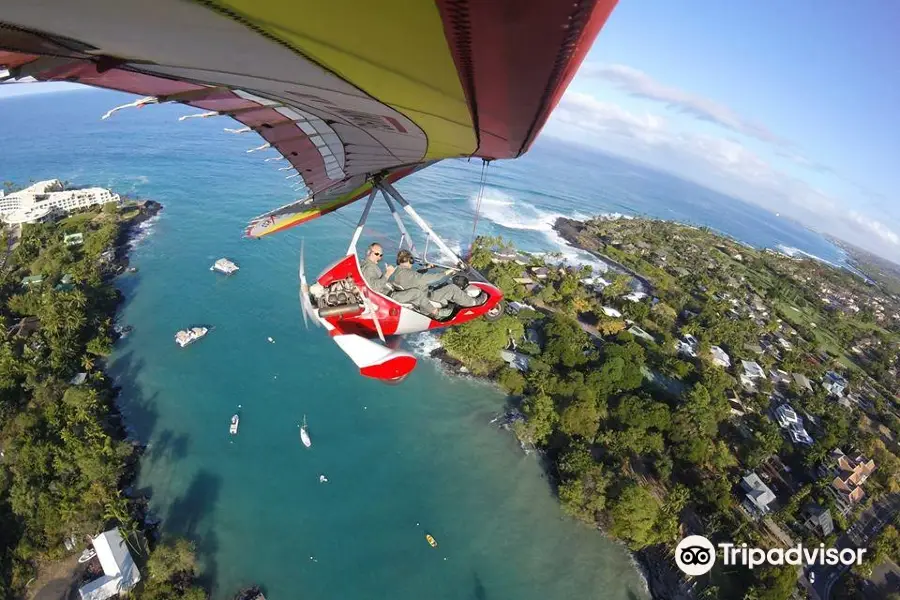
[343,91]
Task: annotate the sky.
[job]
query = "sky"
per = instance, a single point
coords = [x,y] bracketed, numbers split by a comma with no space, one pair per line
[792,105]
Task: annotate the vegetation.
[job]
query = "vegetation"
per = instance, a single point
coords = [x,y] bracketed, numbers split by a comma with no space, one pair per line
[172,572]
[63,461]
[640,435]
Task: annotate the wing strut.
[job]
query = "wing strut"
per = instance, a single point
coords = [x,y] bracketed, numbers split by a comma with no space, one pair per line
[404,234]
[388,188]
[362,221]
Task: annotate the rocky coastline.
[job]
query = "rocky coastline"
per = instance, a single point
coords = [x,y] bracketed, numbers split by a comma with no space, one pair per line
[571,231]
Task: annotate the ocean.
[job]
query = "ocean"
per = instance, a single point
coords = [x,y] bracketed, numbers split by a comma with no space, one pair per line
[401,461]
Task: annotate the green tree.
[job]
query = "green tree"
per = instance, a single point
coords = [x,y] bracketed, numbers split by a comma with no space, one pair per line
[566,342]
[172,561]
[541,417]
[633,514]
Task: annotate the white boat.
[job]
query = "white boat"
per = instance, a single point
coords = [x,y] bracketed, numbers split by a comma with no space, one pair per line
[224,266]
[235,421]
[304,434]
[189,336]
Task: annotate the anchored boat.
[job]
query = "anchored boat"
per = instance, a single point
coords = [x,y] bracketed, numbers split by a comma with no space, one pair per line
[304,434]
[224,266]
[186,337]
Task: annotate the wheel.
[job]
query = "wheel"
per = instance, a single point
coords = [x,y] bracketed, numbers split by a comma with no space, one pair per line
[497,312]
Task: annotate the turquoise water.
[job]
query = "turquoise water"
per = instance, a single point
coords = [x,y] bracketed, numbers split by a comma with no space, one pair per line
[401,461]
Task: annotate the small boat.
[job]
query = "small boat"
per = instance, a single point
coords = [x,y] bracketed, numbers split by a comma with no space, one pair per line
[304,434]
[224,266]
[431,541]
[323,479]
[132,269]
[186,337]
[235,421]
[270,340]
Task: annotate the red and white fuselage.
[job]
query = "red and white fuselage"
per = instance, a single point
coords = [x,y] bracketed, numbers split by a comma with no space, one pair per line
[356,326]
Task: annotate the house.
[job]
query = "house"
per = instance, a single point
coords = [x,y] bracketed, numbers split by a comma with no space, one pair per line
[32,280]
[635,296]
[788,419]
[540,272]
[719,357]
[687,345]
[638,332]
[120,574]
[849,476]
[754,348]
[609,311]
[515,360]
[802,382]
[818,520]
[78,379]
[784,343]
[834,383]
[65,284]
[758,496]
[73,239]
[752,372]
[25,327]
[779,377]
[736,407]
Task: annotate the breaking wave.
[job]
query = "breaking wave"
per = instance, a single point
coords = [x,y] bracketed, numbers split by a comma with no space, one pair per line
[423,344]
[504,210]
[795,252]
[143,231]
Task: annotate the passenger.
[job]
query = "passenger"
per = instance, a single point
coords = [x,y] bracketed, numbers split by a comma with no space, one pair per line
[415,286]
[371,272]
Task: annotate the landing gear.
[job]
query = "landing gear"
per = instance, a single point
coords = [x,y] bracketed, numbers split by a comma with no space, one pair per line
[496,313]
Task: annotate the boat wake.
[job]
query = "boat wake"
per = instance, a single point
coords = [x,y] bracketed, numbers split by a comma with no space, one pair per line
[504,210]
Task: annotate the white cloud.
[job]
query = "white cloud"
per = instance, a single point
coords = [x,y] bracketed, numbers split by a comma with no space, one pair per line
[870,225]
[719,162]
[637,83]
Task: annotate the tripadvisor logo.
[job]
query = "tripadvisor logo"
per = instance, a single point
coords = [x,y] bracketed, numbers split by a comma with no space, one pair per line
[695,555]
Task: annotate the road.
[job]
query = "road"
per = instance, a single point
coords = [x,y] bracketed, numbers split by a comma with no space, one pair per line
[858,535]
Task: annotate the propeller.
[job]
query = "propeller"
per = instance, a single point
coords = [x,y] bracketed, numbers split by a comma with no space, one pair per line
[307,309]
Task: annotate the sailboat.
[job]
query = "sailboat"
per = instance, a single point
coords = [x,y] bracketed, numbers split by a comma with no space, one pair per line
[304,434]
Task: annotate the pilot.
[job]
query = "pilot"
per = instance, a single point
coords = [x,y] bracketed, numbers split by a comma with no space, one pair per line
[371,272]
[409,280]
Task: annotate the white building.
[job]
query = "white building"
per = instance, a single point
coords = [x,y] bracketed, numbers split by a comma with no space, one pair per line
[43,199]
[752,372]
[758,496]
[720,357]
[788,418]
[120,574]
[609,311]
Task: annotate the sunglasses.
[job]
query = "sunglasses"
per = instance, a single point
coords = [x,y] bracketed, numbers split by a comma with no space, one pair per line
[377,253]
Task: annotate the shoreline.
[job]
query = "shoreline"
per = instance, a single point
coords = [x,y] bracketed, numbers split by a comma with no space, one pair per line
[661,579]
[570,230]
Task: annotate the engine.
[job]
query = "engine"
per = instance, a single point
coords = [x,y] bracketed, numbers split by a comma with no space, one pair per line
[342,292]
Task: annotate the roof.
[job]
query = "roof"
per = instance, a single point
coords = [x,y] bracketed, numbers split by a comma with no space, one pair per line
[119,571]
[32,279]
[757,491]
[802,380]
[821,518]
[752,369]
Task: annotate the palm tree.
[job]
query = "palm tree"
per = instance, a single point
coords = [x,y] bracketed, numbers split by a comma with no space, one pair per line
[87,362]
